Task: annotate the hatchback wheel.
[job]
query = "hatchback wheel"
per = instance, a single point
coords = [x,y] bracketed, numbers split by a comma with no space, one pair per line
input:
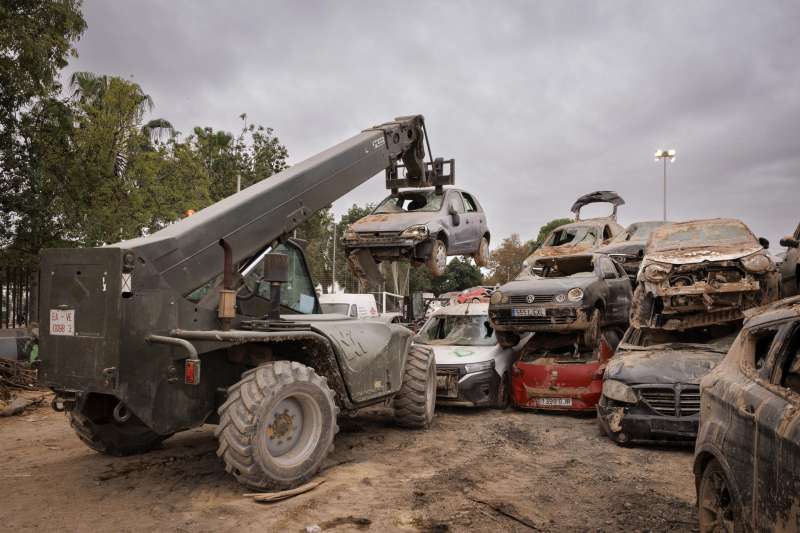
[438,259]
[718,509]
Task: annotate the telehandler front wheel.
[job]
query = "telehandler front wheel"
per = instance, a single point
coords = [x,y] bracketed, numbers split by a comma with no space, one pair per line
[277,426]
[415,403]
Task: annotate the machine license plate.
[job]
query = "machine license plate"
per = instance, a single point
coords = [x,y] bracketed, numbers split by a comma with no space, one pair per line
[554,402]
[447,385]
[62,322]
[529,311]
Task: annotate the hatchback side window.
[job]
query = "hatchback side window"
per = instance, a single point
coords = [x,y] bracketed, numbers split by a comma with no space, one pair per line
[606,233]
[456,201]
[607,268]
[353,311]
[469,203]
[789,371]
[759,344]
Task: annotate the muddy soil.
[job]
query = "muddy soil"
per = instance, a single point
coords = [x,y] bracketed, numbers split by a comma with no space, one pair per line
[475,470]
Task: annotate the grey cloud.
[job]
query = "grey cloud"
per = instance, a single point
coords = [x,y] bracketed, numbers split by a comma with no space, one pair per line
[538,102]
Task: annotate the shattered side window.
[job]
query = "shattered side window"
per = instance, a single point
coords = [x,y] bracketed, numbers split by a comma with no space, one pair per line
[409,202]
[759,345]
[790,367]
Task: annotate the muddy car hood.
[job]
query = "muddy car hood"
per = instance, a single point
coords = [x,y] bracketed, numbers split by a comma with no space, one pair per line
[662,366]
[700,255]
[394,221]
[545,285]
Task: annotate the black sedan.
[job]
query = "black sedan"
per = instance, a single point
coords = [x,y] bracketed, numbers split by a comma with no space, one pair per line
[651,387]
[582,292]
[627,248]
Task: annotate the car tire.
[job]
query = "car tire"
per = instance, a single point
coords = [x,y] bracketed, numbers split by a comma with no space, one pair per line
[437,262]
[481,257]
[110,437]
[258,440]
[718,507]
[591,335]
[503,399]
[415,403]
[506,339]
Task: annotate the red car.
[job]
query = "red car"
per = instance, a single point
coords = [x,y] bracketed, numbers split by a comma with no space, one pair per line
[475,295]
[551,374]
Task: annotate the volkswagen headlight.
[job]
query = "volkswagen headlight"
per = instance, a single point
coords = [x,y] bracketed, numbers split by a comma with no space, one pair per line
[756,263]
[469,368]
[575,295]
[618,391]
[656,272]
[417,232]
[496,298]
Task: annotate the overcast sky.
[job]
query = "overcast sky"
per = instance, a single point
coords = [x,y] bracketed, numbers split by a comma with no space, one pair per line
[538,102]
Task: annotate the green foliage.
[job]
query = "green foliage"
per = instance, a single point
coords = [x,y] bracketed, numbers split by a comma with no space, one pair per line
[506,260]
[353,214]
[459,274]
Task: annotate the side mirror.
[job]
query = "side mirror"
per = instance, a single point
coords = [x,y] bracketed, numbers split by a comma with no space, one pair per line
[454,215]
[763,242]
[790,242]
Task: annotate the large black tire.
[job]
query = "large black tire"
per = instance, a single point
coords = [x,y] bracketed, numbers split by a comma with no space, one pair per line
[437,262]
[260,439]
[415,403]
[719,509]
[110,437]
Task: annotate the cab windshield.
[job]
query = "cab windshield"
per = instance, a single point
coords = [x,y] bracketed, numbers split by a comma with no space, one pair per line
[411,201]
[458,330]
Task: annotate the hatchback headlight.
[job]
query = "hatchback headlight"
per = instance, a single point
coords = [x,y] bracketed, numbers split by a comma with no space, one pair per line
[618,391]
[469,368]
[575,295]
[656,272]
[756,263]
[418,231]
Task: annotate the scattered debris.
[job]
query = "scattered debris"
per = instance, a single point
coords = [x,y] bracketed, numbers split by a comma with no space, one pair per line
[510,512]
[271,497]
[357,521]
[19,404]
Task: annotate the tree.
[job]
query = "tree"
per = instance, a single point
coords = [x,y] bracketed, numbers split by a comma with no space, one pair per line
[505,261]
[459,274]
[36,38]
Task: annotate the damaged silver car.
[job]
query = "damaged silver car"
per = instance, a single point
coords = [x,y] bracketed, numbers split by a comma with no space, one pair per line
[582,235]
[423,226]
[702,272]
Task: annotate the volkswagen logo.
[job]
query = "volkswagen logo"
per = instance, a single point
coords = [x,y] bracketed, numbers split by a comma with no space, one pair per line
[530,298]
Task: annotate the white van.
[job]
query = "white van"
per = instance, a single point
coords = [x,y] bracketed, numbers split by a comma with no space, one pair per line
[352,305]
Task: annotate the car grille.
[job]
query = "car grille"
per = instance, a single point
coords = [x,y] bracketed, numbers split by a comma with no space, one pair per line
[538,299]
[682,400]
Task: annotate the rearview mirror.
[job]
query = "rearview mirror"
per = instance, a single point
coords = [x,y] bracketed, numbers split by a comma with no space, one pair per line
[790,242]
[763,242]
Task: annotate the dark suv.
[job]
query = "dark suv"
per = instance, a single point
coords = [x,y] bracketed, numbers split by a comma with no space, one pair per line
[747,456]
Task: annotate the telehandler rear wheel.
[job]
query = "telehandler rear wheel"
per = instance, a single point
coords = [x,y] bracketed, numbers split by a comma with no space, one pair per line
[277,426]
[415,403]
[104,434]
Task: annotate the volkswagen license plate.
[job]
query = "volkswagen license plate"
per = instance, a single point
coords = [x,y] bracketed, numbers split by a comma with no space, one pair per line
[529,311]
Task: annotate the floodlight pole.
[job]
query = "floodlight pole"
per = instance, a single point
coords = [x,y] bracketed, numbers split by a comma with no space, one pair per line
[665,155]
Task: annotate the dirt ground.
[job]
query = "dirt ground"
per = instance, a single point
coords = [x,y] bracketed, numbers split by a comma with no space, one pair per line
[474,470]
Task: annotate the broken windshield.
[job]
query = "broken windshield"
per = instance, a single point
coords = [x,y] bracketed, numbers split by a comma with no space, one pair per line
[701,233]
[570,266]
[458,330]
[411,201]
[572,235]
